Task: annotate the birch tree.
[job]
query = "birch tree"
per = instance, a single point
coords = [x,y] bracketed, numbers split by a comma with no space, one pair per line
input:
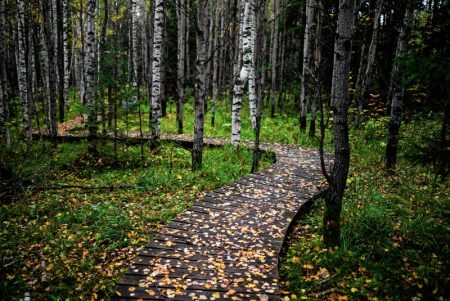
[243,75]
[22,70]
[181,61]
[200,85]
[156,71]
[66,54]
[135,48]
[309,10]
[340,103]
[397,90]
[90,75]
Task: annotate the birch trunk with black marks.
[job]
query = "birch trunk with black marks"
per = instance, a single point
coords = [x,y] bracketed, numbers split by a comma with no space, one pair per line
[368,72]
[135,49]
[22,70]
[66,55]
[274,54]
[309,11]
[200,85]
[90,66]
[246,41]
[397,90]
[340,103]
[181,61]
[156,71]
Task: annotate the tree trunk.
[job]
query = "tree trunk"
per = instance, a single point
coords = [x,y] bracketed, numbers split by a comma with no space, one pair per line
[156,71]
[22,70]
[4,101]
[66,55]
[135,49]
[60,57]
[317,67]
[90,76]
[181,61]
[245,45]
[215,68]
[306,63]
[397,90]
[200,95]
[340,103]
[274,53]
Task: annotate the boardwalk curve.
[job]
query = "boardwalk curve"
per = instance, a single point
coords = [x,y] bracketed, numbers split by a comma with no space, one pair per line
[226,246]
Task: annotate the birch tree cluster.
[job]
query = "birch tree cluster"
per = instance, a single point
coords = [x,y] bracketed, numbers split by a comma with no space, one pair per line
[276,56]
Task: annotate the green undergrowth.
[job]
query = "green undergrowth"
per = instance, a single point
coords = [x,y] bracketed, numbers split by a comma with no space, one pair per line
[64,243]
[395,229]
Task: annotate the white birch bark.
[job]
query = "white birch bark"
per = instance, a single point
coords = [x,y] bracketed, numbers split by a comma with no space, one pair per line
[156,70]
[66,54]
[135,14]
[306,63]
[90,67]
[246,40]
[181,61]
[22,70]
[250,54]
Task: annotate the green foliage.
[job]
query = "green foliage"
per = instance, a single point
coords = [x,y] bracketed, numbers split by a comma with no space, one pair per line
[394,230]
[74,243]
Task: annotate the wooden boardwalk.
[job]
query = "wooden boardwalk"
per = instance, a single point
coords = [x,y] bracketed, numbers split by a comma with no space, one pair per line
[226,246]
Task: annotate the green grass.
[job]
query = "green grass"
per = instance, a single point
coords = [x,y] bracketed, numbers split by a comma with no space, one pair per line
[75,243]
[395,229]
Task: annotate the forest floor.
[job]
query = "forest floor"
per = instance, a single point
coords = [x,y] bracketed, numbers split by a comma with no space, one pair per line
[73,243]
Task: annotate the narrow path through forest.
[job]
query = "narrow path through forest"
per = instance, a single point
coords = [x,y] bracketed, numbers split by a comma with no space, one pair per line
[226,246]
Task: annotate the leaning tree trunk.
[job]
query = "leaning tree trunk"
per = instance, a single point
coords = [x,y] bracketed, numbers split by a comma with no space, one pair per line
[397,90]
[156,71]
[367,75]
[22,70]
[340,103]
[306,63]
[90,76]
[181,61]
[200,93]
[274,53]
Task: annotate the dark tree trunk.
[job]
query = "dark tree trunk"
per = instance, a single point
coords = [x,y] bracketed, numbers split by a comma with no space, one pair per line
[200,95]
[340,103]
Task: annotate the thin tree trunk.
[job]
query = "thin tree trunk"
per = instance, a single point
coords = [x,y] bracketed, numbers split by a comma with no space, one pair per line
[102,62]
[340,103]
[215,68]
[4,101]
[397,90]
[90,76]
[306,63]
[60,57]
[274,53]
[241,74]
[156,71]
[200,95]
[181,61]
[317,62]
[22,70]
[66,55]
